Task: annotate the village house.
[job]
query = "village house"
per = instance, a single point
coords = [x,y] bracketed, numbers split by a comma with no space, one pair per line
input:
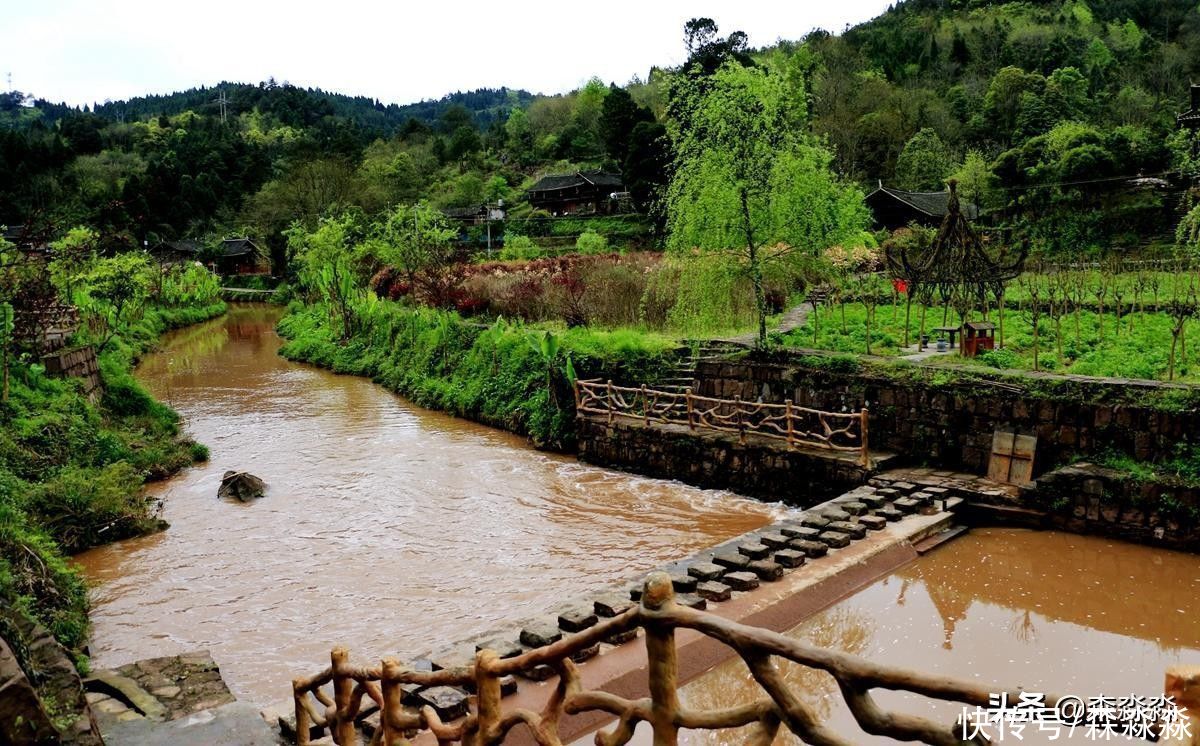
[176,252]
[580,193]
[241,256]
[896,208]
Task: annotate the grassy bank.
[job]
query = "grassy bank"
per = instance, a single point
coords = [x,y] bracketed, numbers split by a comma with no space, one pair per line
[1138,345]
[508,375]
[71,473]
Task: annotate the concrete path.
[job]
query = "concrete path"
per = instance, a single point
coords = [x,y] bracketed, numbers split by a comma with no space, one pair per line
[794,318]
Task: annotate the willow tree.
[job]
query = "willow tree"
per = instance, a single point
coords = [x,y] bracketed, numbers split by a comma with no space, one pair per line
[749,185]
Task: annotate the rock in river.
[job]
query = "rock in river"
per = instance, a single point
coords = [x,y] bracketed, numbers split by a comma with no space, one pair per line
[241,485]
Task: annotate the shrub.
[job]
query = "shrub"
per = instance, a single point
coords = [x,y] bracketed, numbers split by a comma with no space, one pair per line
[591,242]
[1001,358]
[518,247]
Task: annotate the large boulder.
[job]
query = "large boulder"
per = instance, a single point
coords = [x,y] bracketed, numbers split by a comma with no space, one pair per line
[38,677]
[241,485]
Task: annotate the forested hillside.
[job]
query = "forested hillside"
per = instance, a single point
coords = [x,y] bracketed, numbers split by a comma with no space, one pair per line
[1042,110]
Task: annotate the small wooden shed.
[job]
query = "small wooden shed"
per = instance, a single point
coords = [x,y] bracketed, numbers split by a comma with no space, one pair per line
[978,336]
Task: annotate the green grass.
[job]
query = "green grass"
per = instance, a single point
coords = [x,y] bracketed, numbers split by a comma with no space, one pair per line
[1138,348]
[491,374]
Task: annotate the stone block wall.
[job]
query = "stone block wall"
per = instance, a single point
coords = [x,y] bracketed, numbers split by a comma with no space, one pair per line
[1089,499]
[717,460]
[77,362]
[944,421]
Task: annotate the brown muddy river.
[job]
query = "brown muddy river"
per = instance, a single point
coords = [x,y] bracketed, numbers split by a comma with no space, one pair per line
[1046,611]
[386,527]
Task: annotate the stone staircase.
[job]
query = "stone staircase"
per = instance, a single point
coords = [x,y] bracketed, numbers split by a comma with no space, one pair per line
[682,377]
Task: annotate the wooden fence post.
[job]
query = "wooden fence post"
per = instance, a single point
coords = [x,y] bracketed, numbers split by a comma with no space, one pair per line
[661,662]
[487,697]
[741,425]
[691,422]
[577,395]
[392,695]
[866,452]
[343,691]
[610,401]
[788,409]
[645,407]
[302,721]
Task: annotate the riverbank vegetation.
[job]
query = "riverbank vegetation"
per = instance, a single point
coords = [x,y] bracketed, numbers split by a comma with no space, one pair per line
[72,469]
[508,374]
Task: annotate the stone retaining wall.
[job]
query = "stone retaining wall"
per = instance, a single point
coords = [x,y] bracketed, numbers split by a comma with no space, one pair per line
[941,419]
[77,362]
[758,467]
[1089,499]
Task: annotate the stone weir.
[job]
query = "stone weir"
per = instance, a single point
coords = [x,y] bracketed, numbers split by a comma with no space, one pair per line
[752,465]
[773,578]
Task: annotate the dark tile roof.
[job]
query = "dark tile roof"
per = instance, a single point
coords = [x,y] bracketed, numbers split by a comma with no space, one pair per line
[183,247]
[933,204]
[601,179]
[238,247]
[460,213]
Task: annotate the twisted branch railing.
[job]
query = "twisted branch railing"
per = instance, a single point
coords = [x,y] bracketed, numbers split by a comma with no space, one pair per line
[796,425]
[659,616]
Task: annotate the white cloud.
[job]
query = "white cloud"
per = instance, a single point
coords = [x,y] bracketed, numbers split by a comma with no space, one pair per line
[82,51]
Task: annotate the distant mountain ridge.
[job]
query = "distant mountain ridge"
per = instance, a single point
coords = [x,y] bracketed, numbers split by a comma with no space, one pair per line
[294,104]
[298,106]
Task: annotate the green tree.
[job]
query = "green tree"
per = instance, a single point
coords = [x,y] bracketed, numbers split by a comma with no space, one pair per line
[518,136]
[1002,103]
[325,262]
[975,179]
[618,117]
[416,240]
[746,185]
[924,163]
[113,290]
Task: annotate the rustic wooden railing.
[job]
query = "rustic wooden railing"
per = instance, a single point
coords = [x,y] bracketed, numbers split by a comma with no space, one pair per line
[793,424]
[659,616]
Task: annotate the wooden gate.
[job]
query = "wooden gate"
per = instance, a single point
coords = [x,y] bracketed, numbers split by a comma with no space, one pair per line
[1012,457]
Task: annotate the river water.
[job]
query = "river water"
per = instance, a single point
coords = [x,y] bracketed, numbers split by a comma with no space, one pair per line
[388,528]
[1046,611]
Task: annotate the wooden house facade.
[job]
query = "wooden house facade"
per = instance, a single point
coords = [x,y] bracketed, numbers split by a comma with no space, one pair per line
[580,193]
[241,256]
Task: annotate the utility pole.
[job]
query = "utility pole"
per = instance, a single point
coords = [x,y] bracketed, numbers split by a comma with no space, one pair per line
[223,102]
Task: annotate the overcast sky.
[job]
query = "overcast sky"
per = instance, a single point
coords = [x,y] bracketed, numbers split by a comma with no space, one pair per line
[83,51]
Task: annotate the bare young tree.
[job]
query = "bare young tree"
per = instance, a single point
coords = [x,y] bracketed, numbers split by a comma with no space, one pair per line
[1181,307]
[1032,285]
